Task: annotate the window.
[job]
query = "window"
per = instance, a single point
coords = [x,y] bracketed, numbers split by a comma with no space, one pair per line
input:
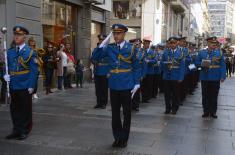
[59,20]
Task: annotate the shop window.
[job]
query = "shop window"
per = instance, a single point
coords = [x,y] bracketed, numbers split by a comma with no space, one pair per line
[59,20]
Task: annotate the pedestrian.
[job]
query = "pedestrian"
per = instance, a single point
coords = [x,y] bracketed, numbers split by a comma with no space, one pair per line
[50,63]
[213,71]
[101,70]
[61,69]
[124,81]
[173,66]
[23,72]
[70,66]
[79,73]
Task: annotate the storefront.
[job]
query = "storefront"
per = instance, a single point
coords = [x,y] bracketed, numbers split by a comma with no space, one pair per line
[59,21]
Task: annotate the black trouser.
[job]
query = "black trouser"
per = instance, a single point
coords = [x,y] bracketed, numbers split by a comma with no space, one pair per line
[101,89]
[147,87]
[136,100]
[191,82]
[183,88]
[36,87]
[156,78]
[161,83]
[79,79]
[120,99]
[21,111]
[49,75]
[171,95]
[210,91]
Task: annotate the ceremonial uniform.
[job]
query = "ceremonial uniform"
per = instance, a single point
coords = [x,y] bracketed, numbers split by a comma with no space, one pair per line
[124,76]
[210,77]
[23,70]
[140,56]
[147,84]
[173,66]
[101,70]
[157,74]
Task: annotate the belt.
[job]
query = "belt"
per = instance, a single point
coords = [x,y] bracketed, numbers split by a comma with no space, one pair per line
[214,66]
[175,67]
[19,72]
[103,64]
[120,70]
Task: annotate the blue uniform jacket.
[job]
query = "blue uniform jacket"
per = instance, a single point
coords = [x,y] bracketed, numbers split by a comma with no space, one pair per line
[125,70]
[175,70]
[157,66]
[23,68]
[151,57]
[187,59]
[143,65]
[101,63]
[217,69]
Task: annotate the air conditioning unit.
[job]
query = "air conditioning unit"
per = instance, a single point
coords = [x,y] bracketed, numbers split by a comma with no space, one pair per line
[96,2]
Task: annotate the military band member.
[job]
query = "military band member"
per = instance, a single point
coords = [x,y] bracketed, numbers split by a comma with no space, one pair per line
[140,56]
[150,60]
[124,81]
[173,66]
[23,70]
[192,68]
[212,62]
[182,45]
[157,70]
[101,70]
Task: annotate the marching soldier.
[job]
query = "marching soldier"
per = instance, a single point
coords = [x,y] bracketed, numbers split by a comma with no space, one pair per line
[124,80]
[150,60]
[184,85]
[101,70]
[140,56]
[23,70]
[213,71]
[192,68]
[157,70]
[173,66]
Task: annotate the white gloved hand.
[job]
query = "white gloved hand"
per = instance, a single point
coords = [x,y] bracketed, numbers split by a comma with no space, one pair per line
[30,90]
[7,77]
[106,40]
[134,90]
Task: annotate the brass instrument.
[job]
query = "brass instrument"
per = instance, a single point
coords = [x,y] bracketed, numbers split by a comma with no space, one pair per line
[41,52]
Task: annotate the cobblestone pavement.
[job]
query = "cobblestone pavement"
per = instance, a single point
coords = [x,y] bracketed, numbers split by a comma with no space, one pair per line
[65,123]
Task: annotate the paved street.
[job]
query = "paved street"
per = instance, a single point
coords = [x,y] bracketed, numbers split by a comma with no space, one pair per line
[65,123]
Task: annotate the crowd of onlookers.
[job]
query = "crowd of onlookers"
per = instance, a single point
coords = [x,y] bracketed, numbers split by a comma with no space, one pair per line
[230,62]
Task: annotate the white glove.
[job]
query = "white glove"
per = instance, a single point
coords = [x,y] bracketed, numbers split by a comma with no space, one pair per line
[134,90]
[106,40]
[7,77]
[30,90]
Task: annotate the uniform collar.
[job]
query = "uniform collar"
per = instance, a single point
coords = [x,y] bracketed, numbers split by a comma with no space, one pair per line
[21,46]
[121,44]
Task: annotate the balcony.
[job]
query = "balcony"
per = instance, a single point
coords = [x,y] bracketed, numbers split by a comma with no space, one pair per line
[96,2]
[179,5]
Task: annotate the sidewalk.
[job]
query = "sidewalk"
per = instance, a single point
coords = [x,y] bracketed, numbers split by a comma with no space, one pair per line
[65,123]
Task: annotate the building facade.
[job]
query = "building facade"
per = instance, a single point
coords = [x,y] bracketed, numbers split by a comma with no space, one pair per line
[221,14]
[51,20]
